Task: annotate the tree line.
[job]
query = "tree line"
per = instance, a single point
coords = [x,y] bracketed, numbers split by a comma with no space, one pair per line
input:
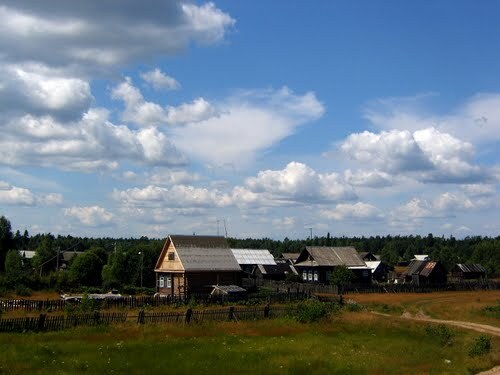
[128,263]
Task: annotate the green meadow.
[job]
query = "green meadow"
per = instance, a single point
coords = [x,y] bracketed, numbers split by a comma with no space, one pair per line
[346,343]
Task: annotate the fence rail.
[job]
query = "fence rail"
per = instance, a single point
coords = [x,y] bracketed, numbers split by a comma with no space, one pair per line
[279,292]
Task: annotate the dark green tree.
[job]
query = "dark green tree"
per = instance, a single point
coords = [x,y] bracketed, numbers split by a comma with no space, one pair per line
[15,273]
[341,276]
[45,258]
[5,240]
[86,269]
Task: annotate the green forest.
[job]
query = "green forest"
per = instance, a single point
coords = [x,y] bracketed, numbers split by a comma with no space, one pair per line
[128,263]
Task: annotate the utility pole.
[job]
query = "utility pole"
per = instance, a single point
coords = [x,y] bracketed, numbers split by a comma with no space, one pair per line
[225,227]
[58,256]
[141,253]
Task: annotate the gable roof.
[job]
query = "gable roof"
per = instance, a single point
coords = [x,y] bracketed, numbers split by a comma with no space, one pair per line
[198,241]
[470,268]
[329,256]
[200,253]
[290,256]
[280,268]
[421,257]
[253,256]
[422,268]
[373,264]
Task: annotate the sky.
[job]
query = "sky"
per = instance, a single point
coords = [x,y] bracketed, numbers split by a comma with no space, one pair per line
[255,118]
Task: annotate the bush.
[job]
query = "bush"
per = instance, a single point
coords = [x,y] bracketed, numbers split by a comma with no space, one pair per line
[481,345]
[312,310]
[353,306]
[441,333]
[493,311]
[23,291]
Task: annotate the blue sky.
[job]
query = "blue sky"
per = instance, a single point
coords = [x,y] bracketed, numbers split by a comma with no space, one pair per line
[158,117]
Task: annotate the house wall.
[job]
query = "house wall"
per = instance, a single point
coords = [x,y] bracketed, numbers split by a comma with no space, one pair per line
[198,282]
[171,265]
[169,283]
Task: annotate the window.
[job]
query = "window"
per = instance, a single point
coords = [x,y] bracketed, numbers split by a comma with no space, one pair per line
[315,275]
[161,282]
[310,275]
[171,256]
[169,282]
[304,275]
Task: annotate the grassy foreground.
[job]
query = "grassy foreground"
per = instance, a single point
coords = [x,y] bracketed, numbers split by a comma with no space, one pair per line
[352,342]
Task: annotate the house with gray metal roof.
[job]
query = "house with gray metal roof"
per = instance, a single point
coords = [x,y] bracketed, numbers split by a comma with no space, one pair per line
[424,272]
[316,263]
[469,271]
[195,264]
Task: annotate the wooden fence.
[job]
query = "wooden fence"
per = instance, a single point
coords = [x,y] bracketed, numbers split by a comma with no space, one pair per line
[145,301]
[311,289]
[44,322]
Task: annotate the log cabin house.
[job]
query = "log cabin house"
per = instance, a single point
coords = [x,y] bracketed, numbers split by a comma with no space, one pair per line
[195,264]
[316,263]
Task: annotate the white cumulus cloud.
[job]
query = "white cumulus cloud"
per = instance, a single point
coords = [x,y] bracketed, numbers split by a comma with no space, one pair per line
[91,216]
[159,80]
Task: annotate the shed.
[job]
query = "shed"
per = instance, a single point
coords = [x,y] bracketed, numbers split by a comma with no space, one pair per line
[468,271]
[279,271]
[423,272]
[380,270]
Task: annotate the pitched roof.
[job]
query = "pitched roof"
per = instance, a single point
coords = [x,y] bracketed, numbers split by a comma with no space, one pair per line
[414,267]
[421,257]
[428,268]
[329,256]
[291,256]
[200,253]
[198,241]
[471,267]
[373,264]
[280,268]
[253,256]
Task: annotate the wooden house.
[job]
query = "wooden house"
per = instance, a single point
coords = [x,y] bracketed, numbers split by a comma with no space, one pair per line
[380,270]
[290,257]
[462,271]
[316,263]
[249,259]
[195,264]
[368,256]
[424,272]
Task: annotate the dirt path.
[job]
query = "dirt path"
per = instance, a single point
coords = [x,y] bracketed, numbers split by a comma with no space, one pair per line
[483,328]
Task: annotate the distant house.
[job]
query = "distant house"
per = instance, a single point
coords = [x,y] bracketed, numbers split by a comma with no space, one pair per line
[27,256]
[463,271]
[380,270]
[421,257]
[291,257]
[368,256]
[279,271]
[423,272]
[249,259]
[196,264]
[316,263]
[66,257]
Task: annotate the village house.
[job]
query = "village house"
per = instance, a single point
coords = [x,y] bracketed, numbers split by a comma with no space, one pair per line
[463,271]
[315,264]
[249,259]
[196,264]
[380,270]
[290,257]
[424,272]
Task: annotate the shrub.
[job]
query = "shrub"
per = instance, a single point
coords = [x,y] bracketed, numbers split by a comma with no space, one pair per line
[493,311]
[23,291]
[441,333]
[481,345]
[312,310]
[353,306]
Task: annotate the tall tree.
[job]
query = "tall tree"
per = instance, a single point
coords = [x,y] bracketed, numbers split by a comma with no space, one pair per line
[5,240]
[14,269]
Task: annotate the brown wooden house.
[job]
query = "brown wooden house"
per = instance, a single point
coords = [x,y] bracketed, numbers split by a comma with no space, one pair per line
[424,272]
[462,271]
[316,263]
[195,264]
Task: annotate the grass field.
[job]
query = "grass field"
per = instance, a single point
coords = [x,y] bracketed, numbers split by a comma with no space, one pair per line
[352,342]
[466,306]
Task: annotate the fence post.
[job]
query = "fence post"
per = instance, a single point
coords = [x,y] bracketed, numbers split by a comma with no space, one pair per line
[231,313]
[266,311]
[187,317]
[97,317]
[140,317]
[41,322]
